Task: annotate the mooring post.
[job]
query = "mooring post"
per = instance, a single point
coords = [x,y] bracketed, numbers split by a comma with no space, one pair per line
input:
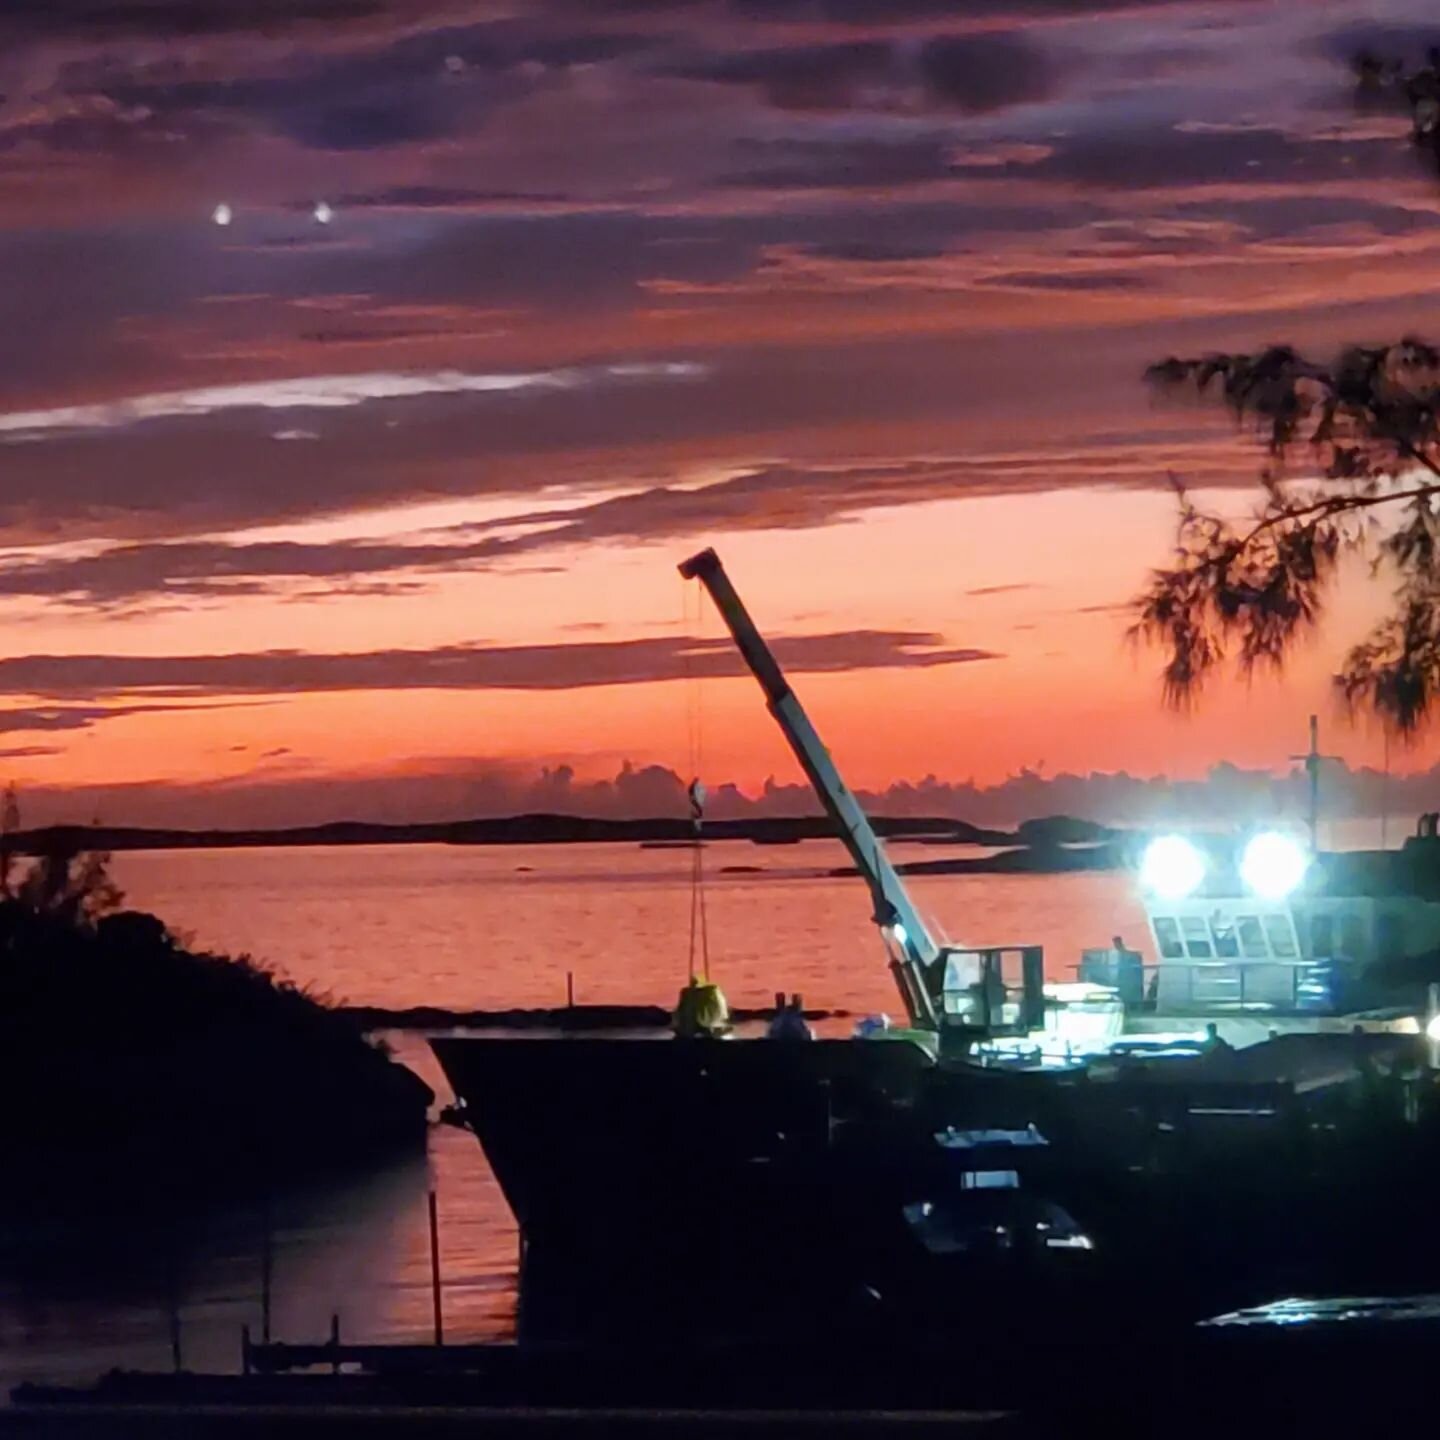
[435,1270]
[569,989]
[172,1299]
[244,1348]
[176,1357]
[267,1262]
[334,1344]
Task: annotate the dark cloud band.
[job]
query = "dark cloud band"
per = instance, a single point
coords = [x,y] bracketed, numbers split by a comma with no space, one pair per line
[462,667]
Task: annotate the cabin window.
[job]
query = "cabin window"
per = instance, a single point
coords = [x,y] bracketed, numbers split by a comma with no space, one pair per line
[1167,935]
[1227,943]
[1322,936]
[1352,936]
[1252,938]
[1197,937]
[1281,936]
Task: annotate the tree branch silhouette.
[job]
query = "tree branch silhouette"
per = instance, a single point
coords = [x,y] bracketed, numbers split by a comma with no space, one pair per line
[1369,429]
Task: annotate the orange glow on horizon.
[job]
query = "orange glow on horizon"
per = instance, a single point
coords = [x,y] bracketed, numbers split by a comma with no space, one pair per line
[863,301]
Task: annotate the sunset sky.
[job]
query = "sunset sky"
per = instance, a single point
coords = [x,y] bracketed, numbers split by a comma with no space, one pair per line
[377,513]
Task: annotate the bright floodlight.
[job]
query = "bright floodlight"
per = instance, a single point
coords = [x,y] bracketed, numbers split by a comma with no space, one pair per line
[1273,865]
[222,214]
[899,932]
[1172,867]
[1432,1028]
[323,213]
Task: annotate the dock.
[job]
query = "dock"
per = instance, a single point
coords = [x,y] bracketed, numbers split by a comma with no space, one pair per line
[1279,1369]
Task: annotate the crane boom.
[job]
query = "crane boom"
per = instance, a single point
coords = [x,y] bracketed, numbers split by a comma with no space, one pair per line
[913,949]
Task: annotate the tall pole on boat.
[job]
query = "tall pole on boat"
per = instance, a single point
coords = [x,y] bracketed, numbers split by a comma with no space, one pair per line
[1312,764]
[1385,796]
[1312,758]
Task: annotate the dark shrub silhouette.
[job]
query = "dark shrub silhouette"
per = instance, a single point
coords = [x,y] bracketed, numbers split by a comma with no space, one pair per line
[129,1062]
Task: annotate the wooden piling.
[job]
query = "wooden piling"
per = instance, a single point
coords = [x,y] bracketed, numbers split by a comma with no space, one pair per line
[267,1265]
[176,1357]
[435,1270]
[172,1297]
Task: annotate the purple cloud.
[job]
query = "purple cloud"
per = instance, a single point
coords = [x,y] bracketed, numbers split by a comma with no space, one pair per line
[463,667]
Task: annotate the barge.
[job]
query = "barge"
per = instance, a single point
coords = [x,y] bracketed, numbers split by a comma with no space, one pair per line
[1136,1149]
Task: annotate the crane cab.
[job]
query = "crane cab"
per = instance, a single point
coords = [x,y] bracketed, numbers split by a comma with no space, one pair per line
[990,992]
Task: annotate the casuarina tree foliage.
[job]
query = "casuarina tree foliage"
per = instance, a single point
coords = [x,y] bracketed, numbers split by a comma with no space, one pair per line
[1366,428]
[1352,466]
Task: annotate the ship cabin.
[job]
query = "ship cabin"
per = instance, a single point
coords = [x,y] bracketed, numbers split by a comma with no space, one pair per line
[1346,938]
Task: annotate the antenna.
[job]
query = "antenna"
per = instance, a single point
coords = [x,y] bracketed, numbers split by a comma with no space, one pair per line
[1312,759]
[1385,796]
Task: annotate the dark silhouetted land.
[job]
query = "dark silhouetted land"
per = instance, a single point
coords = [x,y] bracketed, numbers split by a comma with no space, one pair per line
[129,1063]
[1041,836]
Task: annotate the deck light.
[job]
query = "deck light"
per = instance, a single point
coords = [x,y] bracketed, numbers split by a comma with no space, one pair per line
[1273,865]
[1432,1028]
[900,933]
[1172,867]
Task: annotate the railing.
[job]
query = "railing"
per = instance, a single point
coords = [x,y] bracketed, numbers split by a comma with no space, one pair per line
[1276,985]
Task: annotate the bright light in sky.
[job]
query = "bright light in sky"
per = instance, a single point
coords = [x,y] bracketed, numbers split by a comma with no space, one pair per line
[222,214]
[323,213]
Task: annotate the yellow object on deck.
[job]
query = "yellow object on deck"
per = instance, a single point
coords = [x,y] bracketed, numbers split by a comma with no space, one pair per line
[701,1011]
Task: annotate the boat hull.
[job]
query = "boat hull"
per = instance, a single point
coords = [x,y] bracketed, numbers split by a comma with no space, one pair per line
[721,1188]
[753,1187]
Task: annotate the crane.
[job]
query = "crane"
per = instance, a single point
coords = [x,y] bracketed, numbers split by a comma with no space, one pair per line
[927,973]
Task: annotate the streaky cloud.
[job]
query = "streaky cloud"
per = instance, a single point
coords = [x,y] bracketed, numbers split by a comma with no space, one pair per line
[463,667]
[324,392]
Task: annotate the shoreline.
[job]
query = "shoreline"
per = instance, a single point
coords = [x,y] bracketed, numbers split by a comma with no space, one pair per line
[553,829]
[371,1018]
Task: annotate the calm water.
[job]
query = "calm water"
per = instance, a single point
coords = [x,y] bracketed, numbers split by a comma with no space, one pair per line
[474,927]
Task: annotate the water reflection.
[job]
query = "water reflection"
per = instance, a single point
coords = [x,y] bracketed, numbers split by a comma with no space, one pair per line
[76,1300]
[457,926]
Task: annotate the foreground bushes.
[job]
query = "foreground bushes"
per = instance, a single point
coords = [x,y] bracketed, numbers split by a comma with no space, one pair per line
[129,1061]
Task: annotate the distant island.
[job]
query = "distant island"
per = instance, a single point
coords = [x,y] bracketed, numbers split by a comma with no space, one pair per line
[1043,835]
[1055,845]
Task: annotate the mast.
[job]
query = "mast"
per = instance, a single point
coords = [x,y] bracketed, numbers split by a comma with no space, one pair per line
[912,947]
[1385,797]
[1312,759]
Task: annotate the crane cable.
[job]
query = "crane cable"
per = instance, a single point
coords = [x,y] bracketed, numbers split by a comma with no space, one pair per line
[699,930]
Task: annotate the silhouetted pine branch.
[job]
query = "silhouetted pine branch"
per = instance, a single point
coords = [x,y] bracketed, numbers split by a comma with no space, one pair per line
[1368,431]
